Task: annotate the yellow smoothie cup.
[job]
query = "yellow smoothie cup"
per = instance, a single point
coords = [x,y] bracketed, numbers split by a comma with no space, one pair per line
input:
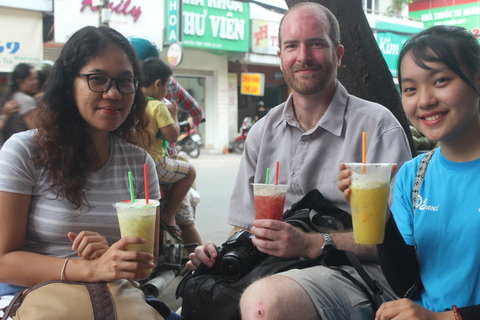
[369,200]
[138,219]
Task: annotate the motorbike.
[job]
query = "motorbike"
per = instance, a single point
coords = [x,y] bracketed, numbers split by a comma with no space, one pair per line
[239,142]
[189,140]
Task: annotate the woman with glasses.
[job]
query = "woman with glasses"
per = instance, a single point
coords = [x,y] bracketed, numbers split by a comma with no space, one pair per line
[59,181]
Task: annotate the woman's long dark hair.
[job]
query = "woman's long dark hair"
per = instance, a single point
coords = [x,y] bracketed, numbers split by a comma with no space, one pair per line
[62,146]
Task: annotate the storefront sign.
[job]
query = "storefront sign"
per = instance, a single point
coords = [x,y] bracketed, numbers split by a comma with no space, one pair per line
[464,13]
[391,41]
[264,37]
[23,41]
[118,7]
[173,20]
[32,5]
[129,17]
[175,54]
[216,24]
[252,84]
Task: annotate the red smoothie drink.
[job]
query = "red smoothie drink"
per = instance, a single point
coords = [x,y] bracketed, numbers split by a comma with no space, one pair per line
[269,207]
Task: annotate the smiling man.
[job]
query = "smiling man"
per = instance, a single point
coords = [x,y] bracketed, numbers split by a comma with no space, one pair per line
[318,127]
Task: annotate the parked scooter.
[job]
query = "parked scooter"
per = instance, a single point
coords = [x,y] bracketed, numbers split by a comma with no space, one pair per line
[239,142]
[189,140]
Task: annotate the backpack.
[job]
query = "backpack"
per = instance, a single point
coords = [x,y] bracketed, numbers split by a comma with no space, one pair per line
[207,294]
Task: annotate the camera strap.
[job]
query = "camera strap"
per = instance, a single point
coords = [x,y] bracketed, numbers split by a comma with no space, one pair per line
[333,258]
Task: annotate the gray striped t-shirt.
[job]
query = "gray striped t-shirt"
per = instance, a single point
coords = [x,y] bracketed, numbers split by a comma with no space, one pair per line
[50,219]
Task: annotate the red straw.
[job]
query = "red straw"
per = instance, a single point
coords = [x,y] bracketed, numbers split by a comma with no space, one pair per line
[145,175]
[276,173]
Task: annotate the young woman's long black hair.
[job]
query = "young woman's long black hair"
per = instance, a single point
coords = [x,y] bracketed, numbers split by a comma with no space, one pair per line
[454,46]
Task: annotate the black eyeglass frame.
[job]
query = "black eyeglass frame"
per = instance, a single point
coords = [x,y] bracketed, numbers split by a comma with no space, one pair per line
[109,84]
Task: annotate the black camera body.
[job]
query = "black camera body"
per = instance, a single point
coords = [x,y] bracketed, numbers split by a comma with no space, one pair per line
[237,256]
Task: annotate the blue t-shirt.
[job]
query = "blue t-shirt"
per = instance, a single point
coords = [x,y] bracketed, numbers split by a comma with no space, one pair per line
[447,229]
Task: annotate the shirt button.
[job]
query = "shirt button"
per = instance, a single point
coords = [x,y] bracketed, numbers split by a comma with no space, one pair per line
[302,143]
[295,173]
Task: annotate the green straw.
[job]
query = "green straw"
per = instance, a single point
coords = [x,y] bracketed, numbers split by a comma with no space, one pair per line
[130,179]
[268,176]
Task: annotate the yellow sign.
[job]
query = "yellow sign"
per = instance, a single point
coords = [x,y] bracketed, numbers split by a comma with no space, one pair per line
[253,84]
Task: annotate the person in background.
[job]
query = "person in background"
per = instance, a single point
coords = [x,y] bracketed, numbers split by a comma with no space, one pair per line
[435,240]
[24,87]
[43,70]
[261,110]
[146,48]
[9,107]
[178,176]
[318,127]
[59,181]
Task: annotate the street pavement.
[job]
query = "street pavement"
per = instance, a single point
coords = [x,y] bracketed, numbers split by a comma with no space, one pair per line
[216,174]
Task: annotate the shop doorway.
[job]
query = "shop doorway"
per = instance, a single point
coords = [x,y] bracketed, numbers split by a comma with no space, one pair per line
[196,86]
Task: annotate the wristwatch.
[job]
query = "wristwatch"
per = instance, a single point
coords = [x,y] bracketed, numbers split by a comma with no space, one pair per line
[327,241]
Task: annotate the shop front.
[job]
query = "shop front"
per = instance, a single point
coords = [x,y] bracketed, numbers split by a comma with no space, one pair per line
[209,31]
[463,13]
[391,34]
[23,43]
[258,71]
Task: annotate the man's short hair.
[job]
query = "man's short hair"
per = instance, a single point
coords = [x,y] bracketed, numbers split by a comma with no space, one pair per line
[334,34]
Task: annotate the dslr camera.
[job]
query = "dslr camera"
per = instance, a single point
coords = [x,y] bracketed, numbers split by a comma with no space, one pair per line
[237,256]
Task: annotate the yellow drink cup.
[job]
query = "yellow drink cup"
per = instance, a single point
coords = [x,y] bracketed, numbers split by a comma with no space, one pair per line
[369,200]
[138,219]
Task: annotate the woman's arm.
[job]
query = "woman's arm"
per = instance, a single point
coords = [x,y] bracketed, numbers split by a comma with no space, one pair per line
[16,264]
[9,107]
[398,260]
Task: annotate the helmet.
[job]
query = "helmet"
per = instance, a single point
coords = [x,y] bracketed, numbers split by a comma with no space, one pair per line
[44,65]
[144,47]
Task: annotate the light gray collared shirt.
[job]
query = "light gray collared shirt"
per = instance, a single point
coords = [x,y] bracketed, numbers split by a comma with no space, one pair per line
[311,160]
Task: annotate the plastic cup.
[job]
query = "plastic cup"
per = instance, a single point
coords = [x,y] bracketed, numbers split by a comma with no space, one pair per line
[269,200]
[138,220]
[369,200]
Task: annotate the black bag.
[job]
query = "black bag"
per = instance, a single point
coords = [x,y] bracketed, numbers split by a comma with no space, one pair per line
[208,295]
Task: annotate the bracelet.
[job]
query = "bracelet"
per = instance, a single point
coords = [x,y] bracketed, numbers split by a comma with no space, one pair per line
[63,269]
[456,313]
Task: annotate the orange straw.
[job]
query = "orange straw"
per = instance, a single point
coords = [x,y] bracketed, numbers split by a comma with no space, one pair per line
[276,173]
[364,150]
[145,175]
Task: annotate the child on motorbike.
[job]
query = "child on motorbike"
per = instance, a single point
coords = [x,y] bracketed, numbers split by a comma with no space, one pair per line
[177,176]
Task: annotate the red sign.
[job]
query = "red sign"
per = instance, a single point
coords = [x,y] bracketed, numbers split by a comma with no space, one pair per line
[122,7]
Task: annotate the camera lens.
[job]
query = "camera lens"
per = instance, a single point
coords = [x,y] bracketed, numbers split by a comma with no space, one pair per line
[234,265]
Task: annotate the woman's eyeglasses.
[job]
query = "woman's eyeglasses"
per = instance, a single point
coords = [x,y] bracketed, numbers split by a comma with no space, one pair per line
[98,82]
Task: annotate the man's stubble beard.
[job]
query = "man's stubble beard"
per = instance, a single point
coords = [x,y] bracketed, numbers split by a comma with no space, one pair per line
[310,84]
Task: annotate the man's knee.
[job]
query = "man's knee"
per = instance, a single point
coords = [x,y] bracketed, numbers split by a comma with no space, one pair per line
[265,299]
[257,299]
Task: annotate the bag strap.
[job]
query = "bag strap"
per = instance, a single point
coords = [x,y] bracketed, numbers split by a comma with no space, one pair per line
[102,301]
[100,297]
[332,258]
[422,168]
